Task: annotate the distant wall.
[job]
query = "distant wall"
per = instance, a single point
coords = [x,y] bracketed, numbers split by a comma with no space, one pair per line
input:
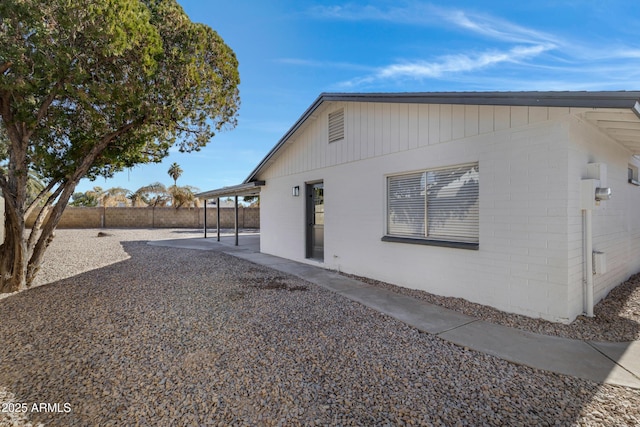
[114,217]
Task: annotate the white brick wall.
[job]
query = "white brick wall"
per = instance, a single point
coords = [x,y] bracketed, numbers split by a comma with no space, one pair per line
[616,224]
[529,260]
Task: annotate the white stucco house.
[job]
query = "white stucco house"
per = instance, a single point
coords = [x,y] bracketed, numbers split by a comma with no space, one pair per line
[490,197]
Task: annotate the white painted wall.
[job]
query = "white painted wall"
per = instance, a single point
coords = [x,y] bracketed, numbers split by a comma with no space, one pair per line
[616,224]
[526,234]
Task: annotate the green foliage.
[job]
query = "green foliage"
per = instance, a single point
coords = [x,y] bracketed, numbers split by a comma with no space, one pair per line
[84,199]
[136,76]
[88,88]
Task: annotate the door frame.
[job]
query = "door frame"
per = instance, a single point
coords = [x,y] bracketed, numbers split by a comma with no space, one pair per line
[310,226]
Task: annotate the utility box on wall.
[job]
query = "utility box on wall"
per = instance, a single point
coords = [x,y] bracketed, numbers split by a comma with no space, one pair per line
[588,189]
[599,262]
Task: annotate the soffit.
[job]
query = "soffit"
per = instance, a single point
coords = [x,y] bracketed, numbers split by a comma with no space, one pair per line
[622,125]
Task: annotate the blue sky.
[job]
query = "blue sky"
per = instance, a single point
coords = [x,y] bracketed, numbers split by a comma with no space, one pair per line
[291,51]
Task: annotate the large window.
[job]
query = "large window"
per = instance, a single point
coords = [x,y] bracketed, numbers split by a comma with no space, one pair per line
[437,205]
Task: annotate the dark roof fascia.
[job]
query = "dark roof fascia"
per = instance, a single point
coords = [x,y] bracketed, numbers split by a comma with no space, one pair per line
[249,188]
[603,99]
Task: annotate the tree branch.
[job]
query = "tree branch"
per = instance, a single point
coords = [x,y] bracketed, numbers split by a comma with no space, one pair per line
[37,224]
[42,111]
[39,197]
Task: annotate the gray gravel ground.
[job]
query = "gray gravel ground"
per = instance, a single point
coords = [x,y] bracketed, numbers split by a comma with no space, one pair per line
[163,336]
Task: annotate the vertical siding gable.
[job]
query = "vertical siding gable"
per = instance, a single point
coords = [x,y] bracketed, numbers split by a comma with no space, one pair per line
[376,129]
[502,118]
[413,124]
[519,116]
[403,127]
[394,128]
[371,119]
[361,144]
[471,117]
[387,112]
[538,114]
[446,122]
[458,122]
[423,125]
[485,119]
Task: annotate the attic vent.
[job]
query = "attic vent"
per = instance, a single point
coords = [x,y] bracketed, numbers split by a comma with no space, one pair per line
[336,125]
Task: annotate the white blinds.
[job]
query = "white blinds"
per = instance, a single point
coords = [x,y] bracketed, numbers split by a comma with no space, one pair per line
[406,205]
[438,204]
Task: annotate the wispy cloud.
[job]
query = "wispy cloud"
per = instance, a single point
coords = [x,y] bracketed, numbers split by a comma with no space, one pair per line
[561,61]
[459,63]
[425,14]
[448,65]
[526,43]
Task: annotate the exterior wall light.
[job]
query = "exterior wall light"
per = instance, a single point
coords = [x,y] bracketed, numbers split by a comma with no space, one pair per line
[603,193]
[295,192]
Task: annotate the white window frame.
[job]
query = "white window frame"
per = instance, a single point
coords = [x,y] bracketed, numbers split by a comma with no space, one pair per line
[455,223]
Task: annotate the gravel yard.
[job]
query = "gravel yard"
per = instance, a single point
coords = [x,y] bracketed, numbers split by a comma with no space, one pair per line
[123,333]
[616,317]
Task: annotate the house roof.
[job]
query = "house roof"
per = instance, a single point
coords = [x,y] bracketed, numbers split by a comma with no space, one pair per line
[616,113]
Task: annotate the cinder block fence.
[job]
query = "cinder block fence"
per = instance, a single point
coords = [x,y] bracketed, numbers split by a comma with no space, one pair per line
[113,217]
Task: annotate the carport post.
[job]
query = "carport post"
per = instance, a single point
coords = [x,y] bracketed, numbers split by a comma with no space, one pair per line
[218,216]
[236,197]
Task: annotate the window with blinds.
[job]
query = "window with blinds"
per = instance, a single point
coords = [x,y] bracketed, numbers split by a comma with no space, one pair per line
[336,125]
[437,204]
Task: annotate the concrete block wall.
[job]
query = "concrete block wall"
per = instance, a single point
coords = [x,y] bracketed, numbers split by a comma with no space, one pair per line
[77,218]
[125,217]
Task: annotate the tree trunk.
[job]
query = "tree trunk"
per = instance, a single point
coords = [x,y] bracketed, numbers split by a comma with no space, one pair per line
[13,256]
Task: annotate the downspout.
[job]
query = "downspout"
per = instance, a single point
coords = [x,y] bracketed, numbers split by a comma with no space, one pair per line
[588,260]
[593,190]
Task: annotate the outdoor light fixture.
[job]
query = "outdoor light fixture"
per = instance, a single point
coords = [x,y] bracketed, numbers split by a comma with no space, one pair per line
[295,191]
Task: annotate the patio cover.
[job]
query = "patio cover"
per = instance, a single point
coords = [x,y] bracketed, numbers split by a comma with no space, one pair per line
[245,189]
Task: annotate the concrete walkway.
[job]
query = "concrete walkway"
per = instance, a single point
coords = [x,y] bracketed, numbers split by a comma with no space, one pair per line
[602,362]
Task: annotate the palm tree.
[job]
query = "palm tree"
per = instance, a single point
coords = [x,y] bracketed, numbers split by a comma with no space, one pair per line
[154,195]
[174,172]
[116,196]
[183,196]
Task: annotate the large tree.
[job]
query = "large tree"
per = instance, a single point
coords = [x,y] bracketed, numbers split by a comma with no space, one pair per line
[89,88]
